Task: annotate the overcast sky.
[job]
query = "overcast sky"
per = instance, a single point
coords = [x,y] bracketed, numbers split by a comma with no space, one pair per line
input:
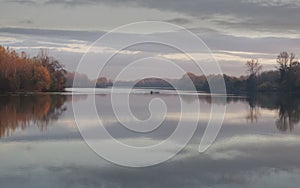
[235,30]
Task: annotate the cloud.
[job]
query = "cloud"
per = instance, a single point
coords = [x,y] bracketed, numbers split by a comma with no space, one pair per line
[53,33]
[69,45]
[254,18]
[25,2]
[72,2]
[275,3]
[180,21]
[26,22]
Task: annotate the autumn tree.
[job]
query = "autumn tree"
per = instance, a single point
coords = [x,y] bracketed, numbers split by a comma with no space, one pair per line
[56,70]
[22,73]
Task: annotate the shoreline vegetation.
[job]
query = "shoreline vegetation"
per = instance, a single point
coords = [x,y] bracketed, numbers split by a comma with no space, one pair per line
[285,78]
[42,73]
[20,73]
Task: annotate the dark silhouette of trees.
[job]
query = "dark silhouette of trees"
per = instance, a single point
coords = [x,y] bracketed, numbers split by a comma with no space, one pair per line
[284,61]
[22,73]
[253,68]
[268,81]
[289,69]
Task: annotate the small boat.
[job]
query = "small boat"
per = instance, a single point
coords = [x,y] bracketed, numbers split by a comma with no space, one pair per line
[154,92]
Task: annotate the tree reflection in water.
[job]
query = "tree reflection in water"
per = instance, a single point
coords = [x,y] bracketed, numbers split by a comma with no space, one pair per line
[254,110]
[289,113]
[19,112]
[288,107]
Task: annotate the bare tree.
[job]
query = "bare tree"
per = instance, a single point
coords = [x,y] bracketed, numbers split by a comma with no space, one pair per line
[287,64]
[253,67]
[284,61]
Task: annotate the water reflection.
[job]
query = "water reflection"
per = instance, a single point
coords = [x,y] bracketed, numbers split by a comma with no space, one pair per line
[19,112]
[289,113]
[245,154]
[288,107]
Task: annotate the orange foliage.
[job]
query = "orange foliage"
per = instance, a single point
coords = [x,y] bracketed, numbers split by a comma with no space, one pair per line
[19,112]
[21,73]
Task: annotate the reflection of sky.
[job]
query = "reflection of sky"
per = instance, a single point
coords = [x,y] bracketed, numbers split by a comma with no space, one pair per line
[244,155]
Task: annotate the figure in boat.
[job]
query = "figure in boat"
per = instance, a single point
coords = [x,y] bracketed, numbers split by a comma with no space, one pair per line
[154,92]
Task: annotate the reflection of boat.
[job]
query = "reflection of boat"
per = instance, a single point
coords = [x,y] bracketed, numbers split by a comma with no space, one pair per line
[154,92]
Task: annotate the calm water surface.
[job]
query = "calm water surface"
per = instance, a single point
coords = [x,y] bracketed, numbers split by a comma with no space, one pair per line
[40,145]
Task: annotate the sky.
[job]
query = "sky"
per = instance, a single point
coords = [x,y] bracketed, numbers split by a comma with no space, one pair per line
[234,30]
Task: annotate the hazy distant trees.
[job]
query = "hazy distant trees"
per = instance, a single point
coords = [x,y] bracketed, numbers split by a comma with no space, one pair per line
[103,82]
[285,78]
[82,81]
[22,73]
[190,81]
[153,83]
[78,80]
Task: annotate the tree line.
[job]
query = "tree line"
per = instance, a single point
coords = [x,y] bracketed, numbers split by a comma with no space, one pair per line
[45,73]
[82,81]
[22,73]
[285,78]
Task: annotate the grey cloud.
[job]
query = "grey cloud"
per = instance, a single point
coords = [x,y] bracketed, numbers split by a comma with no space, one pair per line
[52,33]
[25,2]
[62,42]
[26,21]
[276,3]
[180,21]
[257,15]
[275,17]
[72,2]
[260,45]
